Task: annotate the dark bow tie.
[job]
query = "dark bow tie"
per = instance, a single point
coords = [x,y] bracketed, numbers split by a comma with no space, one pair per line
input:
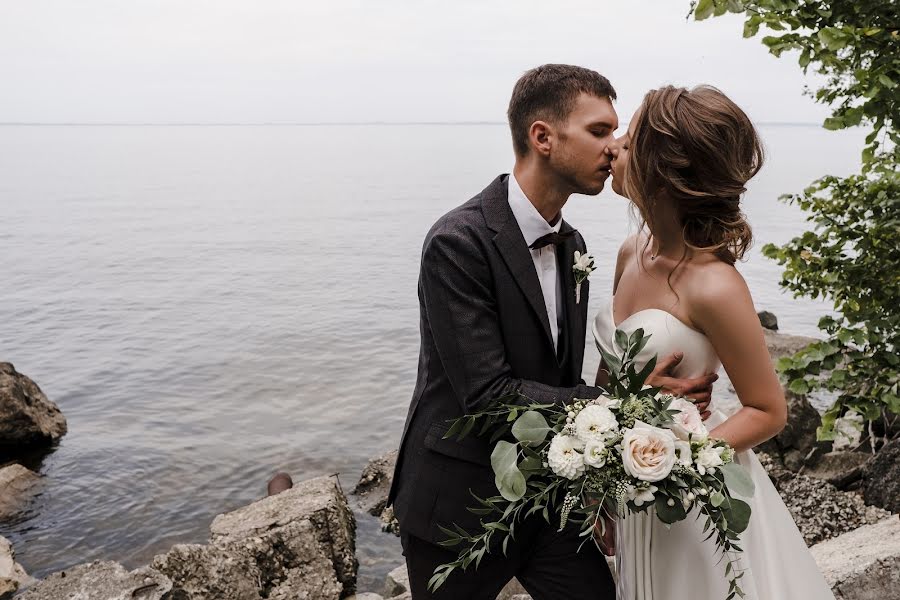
[551,238]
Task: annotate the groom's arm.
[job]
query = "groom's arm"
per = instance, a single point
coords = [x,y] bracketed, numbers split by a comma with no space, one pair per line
[457,290]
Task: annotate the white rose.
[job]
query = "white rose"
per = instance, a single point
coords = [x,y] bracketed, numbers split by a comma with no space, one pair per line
[595,453]
[563,457]
[688,422]
[648,453]
[848,429]
[594,423]
[683,449]
[709,458]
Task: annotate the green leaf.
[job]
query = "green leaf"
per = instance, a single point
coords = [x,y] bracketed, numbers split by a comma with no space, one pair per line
[669,514]
[833,123]
[531,428]
[834,39]
[454,428]
[799,386]
[738,479]
[738,514]
[508,478]
[716,498]
[887,81]
[704,10]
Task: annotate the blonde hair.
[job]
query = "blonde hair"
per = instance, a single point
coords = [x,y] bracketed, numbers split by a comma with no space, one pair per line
[698,149]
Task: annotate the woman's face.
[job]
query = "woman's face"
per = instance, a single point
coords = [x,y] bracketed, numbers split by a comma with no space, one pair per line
[618,151]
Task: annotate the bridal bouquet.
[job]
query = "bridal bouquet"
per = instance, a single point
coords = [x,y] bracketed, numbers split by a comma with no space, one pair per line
[633,450]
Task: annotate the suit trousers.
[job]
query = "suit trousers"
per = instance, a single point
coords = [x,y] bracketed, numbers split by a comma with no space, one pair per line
[546,562]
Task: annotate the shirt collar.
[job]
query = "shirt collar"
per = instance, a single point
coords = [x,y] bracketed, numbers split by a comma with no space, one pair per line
[530,221]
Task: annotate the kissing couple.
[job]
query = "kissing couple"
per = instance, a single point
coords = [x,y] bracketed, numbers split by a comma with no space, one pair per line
[501,311]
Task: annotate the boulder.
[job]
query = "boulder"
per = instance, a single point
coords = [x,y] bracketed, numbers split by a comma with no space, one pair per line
[796,444]
[18,486]
[820,510]
[101,580]
[863,564]
[375,483]
[366,596]
[783,344]
[199,571]
[302,541]
[397,582]
[12,576]
[843,470]
[883,478]
[27,417]
[768,320]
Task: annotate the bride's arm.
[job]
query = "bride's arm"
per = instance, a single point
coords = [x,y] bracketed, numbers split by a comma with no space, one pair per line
[723,309]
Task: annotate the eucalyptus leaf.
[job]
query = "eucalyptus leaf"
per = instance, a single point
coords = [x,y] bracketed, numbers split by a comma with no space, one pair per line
[531,428]
[738,480]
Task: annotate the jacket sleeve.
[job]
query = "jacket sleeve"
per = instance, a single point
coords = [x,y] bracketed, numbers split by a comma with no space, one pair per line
[456,288]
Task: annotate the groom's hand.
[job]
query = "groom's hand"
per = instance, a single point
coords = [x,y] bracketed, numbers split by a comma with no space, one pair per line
[697,389]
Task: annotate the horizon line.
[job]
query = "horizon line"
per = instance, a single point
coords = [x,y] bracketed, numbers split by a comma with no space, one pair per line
[310,124]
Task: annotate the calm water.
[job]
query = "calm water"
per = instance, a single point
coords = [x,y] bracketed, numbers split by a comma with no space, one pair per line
[208,305]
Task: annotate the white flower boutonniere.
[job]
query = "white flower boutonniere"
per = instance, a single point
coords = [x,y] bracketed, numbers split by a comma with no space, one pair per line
[583,267]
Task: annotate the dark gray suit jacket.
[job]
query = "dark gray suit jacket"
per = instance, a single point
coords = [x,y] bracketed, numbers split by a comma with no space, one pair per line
[485,333]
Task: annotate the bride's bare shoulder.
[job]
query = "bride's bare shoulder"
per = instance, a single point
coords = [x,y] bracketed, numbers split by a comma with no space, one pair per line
[716,285]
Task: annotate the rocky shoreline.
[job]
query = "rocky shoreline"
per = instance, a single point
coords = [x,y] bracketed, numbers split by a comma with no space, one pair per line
[300,543]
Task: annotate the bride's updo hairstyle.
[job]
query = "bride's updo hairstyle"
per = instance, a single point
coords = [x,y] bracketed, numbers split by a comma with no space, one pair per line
[698,149]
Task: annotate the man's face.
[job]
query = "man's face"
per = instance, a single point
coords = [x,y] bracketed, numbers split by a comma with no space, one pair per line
[579,155]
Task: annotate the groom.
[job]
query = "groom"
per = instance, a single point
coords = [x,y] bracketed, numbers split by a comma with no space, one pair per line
[498,314]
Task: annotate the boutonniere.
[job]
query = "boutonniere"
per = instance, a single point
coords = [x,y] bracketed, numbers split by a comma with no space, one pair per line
[583,267]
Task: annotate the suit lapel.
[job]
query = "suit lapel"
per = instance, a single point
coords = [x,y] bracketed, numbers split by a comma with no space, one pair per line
[574,352]
[511,245]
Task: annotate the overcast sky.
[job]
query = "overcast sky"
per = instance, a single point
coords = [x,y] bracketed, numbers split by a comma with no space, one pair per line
[253,61]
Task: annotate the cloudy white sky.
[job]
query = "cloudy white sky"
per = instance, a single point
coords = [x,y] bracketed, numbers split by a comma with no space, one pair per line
[253,61]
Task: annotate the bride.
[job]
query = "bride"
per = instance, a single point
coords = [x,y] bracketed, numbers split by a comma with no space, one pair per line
[683,164]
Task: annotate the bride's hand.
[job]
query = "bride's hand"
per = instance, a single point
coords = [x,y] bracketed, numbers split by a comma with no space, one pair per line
[697,389]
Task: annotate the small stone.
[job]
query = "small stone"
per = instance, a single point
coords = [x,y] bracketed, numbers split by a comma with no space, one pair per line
[768,320]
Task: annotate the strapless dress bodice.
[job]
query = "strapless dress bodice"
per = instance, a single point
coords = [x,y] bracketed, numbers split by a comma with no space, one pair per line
[667,333]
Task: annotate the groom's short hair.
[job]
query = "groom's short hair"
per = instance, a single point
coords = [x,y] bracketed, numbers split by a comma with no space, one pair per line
[548,93]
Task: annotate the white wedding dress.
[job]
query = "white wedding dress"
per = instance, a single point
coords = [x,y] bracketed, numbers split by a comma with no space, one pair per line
[659,562]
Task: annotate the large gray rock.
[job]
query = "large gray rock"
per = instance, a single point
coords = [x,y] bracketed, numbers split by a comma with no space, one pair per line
[27,417]
[783,344]
[863,564]
[18,486]
[12,576]
[199,571]
[843,470]
[372,490]
[820,510]
[375,483]
[301,540]
[101,580]
[796,445]
[883,478]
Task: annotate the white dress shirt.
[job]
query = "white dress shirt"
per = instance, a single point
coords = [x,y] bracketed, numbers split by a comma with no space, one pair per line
[533,226]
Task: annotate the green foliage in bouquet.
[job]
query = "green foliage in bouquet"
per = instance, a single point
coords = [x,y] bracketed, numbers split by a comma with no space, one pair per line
[544,468]
[852,255]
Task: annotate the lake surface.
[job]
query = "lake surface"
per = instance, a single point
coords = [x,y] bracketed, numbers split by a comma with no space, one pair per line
[210,304]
